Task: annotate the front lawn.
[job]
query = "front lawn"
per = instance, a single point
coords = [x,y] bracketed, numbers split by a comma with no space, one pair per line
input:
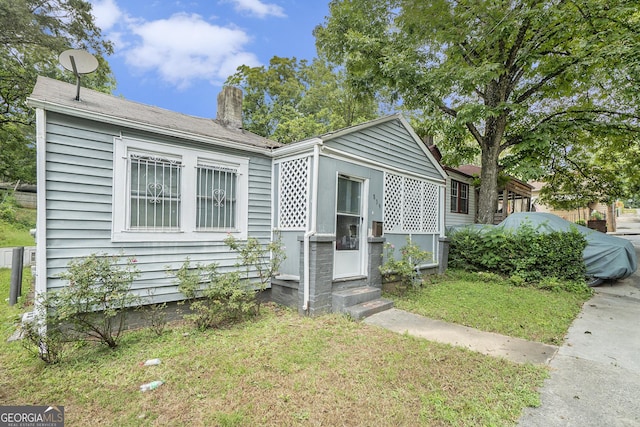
[489,303]
[281,369]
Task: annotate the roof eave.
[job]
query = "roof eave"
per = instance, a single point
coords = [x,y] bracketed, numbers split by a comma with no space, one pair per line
[134,124]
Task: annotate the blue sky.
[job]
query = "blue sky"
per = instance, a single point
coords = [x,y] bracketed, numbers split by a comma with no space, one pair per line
[176,54]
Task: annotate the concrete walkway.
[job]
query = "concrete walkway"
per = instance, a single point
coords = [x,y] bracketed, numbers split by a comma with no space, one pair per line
[492,344]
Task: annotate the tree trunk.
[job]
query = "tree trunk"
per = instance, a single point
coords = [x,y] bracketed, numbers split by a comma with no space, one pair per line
[488,198]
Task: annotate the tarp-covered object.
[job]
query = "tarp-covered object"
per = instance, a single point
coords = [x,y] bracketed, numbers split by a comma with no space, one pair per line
[606,257]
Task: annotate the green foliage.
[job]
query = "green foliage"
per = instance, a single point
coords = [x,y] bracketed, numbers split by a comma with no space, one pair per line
[220,299]
[94,304]
[596,215]
[526,255]
[12,214]
[34,33]
[520,79]
[581,222]
[405,269]
[264,260]
[291,100]
[215,299]
[45,336]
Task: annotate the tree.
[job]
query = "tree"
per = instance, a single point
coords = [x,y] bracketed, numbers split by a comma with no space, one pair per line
[34,33]
[291,100]
[518,76]
[595,169]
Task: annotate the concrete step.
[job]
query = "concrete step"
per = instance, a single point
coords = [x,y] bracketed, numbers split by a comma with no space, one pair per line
[344,298]
[365,309]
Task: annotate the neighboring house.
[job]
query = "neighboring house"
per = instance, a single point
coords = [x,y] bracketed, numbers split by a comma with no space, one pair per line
[461,195]
[115,176]
[573,215]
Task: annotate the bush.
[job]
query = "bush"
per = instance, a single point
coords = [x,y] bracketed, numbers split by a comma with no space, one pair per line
[215,300]
[50,344]
[526,255]
[95,302]
[264,260]
[406,268]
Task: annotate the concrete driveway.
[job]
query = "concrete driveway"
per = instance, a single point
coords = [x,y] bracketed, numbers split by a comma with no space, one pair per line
[595,375]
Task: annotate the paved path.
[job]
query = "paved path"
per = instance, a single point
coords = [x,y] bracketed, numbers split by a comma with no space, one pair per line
[492,344]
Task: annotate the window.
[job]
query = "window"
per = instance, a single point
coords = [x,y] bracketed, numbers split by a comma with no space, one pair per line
[459,197]
[167,193]
[216,204]
[154,192]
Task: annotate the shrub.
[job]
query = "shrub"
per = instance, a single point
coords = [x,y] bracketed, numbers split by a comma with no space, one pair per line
[406,268]
[581,222]
[95,303]
[215,300]
[50,344]
[8,208]
[526,255]
[264,260]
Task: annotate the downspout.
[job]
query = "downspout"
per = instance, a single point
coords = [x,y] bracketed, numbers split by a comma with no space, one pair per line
[312,226]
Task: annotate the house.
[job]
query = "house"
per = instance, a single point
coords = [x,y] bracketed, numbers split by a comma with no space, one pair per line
[583,213]
[461,195]
[115,176]
[341,196]
[513,196]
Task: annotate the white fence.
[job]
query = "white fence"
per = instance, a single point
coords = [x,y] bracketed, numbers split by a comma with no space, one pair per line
[6,256]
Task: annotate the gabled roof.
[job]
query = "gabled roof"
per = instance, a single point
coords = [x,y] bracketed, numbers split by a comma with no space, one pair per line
[54,95]
[306,144]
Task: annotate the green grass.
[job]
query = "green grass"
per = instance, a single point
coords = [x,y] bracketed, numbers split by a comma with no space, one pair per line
[489,303]
[281,369]
[16,233]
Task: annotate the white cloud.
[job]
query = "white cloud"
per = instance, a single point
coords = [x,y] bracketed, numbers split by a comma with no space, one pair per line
[258,8]
[106,13]
[184,48]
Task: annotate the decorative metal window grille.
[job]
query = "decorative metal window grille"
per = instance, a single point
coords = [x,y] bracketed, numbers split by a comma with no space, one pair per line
[216,198]
[410,205]
[293,193]
[154,192]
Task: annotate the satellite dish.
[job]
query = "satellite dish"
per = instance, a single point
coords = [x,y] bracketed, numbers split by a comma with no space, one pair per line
[79,62]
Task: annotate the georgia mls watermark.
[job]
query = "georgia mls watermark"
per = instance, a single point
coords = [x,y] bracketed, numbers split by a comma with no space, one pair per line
[31,416]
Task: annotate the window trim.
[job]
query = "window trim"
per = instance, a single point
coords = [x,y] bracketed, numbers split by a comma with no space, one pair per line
[458,189]
[191,159]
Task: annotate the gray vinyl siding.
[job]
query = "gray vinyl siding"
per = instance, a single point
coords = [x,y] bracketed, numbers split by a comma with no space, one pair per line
[451,218]
[79,179]
[389,143]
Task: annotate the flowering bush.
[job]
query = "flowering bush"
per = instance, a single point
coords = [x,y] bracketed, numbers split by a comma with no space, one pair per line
[406,268]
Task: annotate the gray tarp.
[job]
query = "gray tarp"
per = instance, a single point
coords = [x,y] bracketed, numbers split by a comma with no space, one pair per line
[606,256]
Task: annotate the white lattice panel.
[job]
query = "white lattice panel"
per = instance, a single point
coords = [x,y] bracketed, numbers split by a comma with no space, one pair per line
[412,218]
[430,217]
[392,202]
[293,193]
[410,205]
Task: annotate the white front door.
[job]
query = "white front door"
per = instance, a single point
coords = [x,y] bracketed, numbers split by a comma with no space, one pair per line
[349,233]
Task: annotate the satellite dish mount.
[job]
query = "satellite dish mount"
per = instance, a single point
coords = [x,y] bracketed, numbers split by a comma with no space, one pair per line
[78,62]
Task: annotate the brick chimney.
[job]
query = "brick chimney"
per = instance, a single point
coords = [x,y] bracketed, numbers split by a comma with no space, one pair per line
[230,107]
